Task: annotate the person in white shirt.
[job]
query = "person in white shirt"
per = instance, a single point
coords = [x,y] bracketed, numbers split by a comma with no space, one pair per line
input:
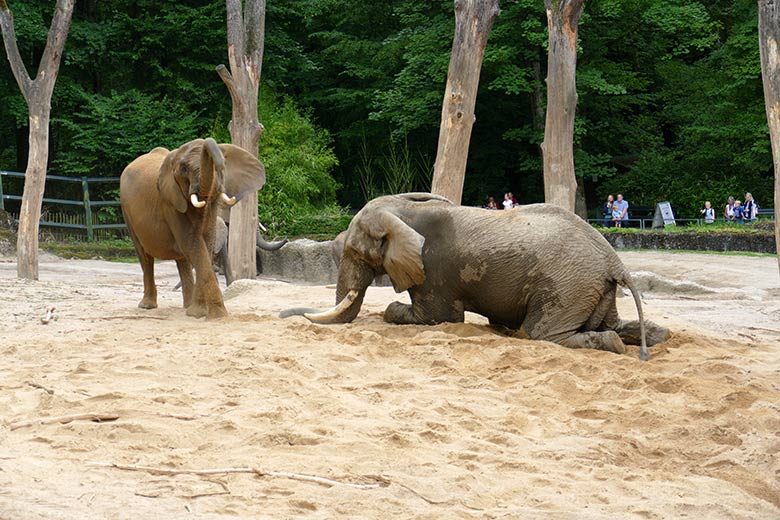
[728,212]
[507,202]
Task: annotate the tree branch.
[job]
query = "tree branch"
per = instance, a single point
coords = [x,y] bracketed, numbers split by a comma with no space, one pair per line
[55,43]
[256,471]
[65,419]
[227,78]
[12,51]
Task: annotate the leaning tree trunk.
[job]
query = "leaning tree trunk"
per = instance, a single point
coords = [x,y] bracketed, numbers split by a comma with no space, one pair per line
[560,185]
[37,93]
[769,44]
[473,21]
[246,34]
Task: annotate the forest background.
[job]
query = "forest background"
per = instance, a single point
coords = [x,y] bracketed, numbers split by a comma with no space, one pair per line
[670,107]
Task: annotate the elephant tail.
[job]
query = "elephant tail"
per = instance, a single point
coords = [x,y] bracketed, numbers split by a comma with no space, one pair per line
[628,282]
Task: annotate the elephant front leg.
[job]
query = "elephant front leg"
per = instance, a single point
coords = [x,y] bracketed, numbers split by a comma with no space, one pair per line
[424,311]
[207,298]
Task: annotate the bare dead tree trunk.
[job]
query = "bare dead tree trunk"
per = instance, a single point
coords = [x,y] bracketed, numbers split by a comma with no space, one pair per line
[560,185]
[473,21]
[769,44]
[246,35]
[37,93]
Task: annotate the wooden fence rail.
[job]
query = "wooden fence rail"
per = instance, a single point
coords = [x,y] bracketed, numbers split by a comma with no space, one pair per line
[59,221]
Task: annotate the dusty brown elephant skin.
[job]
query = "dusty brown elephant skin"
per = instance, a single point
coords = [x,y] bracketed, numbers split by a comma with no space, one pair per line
[170,202]
[537,269]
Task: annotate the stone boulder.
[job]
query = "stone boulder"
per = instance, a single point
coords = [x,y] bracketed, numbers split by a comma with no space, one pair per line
[306,261]
[301,260]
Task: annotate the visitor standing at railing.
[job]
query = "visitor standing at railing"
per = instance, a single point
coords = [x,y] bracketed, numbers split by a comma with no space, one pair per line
[606,211]
[750,209]
[709,213]
[728,211]
[738,211]
[622,206]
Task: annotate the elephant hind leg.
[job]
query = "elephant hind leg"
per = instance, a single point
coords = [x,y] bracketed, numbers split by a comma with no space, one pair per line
[608,340]
[187,281]
[629,332]
[149,301]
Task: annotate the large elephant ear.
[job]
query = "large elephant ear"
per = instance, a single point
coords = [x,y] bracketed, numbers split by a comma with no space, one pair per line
[170,190]
[402,258]
[244,173]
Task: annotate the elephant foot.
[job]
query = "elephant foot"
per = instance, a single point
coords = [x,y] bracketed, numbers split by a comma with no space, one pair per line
[216,312]
[630,333]
[196,311]
[399,313]
[607,340]
[147,304]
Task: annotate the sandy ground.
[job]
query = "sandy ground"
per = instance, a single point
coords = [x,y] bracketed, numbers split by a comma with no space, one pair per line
[451,421]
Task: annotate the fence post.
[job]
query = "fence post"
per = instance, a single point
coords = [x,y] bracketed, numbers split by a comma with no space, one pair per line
[87,209]
[2,202]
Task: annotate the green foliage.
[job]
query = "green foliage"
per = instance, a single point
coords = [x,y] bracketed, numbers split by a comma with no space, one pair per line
[98,132]
[298,159]
[670,99]
[322,224]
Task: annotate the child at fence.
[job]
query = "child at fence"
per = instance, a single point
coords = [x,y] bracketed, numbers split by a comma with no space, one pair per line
[709,213]
[738,211]
[617,216]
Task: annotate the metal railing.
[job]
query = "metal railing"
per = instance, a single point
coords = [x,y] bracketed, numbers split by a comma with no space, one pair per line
[87,203]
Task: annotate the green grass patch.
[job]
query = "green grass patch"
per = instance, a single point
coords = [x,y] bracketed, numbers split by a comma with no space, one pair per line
[117,250]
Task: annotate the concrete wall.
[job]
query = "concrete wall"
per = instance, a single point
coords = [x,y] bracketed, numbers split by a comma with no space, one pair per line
[755,242]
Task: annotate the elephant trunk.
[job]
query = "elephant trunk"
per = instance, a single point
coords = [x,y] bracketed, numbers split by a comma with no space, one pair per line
[354,279]
[268,246]
[210,181]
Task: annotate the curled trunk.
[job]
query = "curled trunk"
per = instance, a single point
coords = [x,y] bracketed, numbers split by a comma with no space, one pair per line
[268,246]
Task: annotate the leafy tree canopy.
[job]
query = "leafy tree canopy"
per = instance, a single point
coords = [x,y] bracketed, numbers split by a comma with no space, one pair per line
[670,98]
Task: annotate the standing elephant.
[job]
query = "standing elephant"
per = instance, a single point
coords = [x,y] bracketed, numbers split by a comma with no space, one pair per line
[170,201]
[538,269]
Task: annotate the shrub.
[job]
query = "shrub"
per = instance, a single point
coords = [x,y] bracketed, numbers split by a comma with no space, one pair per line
[298,158]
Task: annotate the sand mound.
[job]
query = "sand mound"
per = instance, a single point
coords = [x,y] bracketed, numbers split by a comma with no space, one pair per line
[450,421]
[648,282]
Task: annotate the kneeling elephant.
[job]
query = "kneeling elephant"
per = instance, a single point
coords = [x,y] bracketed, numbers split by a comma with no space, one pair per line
[537,269]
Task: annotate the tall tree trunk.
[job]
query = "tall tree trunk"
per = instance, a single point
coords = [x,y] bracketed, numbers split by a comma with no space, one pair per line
[473,21]
[37,93]
[560,185]
[246,35]
[769,43]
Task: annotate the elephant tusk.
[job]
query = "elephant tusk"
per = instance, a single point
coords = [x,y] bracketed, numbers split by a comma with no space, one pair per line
[195,202]
[329,315]
[228,200]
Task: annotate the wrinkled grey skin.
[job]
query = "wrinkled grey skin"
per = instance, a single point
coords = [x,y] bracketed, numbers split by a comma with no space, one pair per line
[156,192]
[537,269]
